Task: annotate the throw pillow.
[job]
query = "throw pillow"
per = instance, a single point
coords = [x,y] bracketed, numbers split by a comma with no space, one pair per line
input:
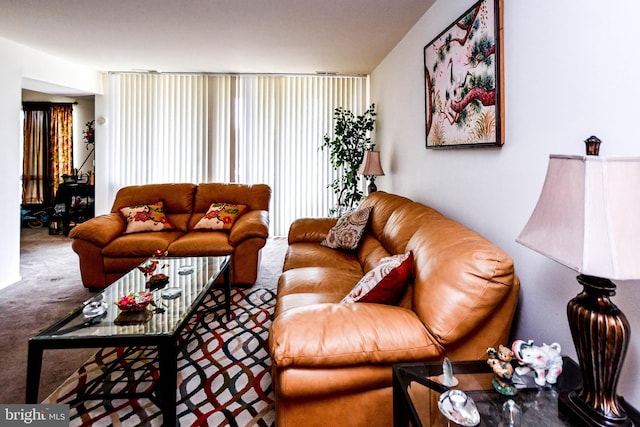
[146,218]
[220,216]
[348,231]
[385,283]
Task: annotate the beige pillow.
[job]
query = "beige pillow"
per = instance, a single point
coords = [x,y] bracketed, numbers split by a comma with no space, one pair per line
[220,216]
[146,218]
[348,231]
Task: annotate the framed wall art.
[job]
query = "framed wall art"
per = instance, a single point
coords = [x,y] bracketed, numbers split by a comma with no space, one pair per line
[463,81]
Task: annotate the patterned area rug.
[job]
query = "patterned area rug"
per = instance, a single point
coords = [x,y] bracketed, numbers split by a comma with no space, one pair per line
[224,374]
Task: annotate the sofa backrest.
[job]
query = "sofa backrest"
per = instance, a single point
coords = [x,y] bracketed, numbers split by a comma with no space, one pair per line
[460,278]
[256,197]
[177,198]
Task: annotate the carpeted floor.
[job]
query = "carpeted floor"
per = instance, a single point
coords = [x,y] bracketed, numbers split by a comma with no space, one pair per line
[50,288]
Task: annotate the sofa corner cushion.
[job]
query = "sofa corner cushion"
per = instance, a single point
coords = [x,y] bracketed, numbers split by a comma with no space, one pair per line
[348,231]
[310,229]
[146,217]
[253,224]
[384,284]
[348,335]
[100,230]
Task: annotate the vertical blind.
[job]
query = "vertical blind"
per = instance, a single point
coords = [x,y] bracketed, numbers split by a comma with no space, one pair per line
[239,128]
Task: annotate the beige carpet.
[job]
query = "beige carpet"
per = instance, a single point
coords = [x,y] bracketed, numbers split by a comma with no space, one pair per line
[51,287]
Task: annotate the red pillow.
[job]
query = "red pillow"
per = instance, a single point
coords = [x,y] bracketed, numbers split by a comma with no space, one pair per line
[384,284]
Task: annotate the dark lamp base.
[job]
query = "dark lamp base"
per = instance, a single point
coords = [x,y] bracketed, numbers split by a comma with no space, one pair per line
[571,405]
[600,333]
[372,185]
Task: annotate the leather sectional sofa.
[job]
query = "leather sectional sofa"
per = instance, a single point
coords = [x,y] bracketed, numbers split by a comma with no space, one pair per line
[107,251]
[331,361]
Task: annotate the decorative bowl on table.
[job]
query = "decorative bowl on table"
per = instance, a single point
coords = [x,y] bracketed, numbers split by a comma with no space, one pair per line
[135,302]
[157,281]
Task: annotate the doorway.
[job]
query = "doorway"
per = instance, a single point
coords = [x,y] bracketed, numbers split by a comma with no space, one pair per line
[50,171]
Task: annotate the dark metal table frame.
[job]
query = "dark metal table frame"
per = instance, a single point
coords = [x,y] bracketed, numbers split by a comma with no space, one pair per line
[167,345]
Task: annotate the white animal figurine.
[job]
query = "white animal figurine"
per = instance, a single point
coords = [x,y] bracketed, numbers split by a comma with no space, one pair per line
[545,360]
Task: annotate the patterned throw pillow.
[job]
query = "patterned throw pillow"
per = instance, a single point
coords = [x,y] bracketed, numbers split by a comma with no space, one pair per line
[348,231]
[146,218]
[220,216]
[384,284]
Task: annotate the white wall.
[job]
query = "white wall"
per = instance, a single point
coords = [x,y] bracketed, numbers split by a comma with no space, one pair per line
[569,73]
[20,65]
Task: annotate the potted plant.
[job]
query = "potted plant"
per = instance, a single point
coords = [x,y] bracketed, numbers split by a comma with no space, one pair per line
[351,137]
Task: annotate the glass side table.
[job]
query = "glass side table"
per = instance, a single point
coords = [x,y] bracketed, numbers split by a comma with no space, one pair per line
[416,391]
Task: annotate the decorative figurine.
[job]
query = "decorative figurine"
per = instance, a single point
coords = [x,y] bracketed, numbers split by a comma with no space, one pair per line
[500,361]
[149,268]
[159,253]
[447,377]
[545,361]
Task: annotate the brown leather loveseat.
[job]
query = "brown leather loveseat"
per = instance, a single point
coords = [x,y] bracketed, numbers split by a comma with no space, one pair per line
[331,361]
[106,252]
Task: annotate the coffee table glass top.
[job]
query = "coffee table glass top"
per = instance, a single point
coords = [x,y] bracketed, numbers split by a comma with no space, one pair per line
[189,277]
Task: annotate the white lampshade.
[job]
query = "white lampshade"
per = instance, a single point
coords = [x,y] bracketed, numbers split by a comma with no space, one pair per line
[588,216]
[371,164]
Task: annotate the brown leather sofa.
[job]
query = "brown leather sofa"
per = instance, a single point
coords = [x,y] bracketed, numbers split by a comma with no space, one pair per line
[332,361]
[107,253]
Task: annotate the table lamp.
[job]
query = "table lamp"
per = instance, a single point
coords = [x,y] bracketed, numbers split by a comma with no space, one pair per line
[371,168]
[588,219]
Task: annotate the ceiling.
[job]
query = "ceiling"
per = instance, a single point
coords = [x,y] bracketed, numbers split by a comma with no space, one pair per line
[217,36]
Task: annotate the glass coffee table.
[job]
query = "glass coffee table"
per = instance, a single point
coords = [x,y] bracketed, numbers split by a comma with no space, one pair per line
[417,389]
[165,326]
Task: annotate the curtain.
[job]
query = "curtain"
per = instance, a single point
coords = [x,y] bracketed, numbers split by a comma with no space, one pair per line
[47,150]
[60,143]
[169,128]
[237,128]
[280,124]
[34,160]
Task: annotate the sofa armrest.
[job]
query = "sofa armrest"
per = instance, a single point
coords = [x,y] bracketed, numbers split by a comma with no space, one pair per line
[100,230]
[254,223]
[349,334]
[310,229]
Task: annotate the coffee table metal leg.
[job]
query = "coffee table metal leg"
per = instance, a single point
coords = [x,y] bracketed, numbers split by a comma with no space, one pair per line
[168,360]
[34,368]
[226,274]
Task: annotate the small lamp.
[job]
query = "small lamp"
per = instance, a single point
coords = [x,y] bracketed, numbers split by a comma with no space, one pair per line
[588,219]
[371,168]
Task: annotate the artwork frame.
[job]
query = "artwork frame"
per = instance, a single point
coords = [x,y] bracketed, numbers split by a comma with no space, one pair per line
[463,74]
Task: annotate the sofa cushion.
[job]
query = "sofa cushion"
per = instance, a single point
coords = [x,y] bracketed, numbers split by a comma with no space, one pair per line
[313,255]
[348,231]
[139,244]
[317,280]
[148,217]
[220,216]
[201,243]
[341,335]
[386,283]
